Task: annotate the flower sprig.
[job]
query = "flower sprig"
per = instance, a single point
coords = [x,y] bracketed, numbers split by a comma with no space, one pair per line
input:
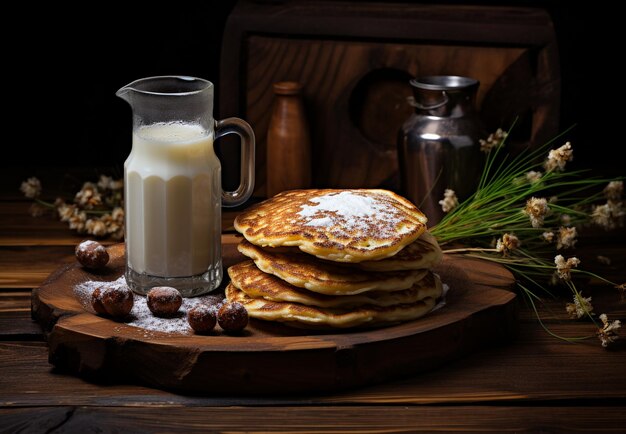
[527,210]
[96,209]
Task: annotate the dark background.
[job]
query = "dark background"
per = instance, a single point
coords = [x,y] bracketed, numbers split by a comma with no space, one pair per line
[64,81]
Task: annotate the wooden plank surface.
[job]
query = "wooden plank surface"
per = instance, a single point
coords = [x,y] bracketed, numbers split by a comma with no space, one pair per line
[534,367]
[346,419]
[532,383]
[25,267]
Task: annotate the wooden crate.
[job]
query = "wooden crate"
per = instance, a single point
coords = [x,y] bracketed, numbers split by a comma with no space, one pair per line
[355,61]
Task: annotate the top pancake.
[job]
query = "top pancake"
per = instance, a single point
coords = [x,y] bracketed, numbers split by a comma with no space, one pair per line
[289,262]
[339,225]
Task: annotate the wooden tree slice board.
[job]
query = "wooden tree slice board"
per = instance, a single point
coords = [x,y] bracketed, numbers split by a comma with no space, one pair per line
[272,358]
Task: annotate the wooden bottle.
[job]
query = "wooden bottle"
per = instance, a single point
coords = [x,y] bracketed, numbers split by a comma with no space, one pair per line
[288,160]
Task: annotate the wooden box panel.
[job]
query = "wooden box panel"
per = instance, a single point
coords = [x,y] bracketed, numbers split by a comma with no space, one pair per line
[355,62]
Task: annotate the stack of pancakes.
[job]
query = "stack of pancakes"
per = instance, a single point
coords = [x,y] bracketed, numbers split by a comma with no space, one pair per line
[335,259]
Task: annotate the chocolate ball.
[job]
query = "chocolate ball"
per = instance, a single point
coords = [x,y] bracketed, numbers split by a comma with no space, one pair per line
[164,301]
[91,254]
[232,317]
[116,302]
[202,318]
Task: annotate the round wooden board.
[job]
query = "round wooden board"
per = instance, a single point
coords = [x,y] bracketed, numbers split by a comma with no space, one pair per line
[272,358]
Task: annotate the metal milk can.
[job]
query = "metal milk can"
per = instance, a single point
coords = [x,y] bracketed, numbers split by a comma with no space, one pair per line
[438,145]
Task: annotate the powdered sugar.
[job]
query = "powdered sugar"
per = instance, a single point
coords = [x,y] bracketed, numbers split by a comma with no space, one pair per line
[321,221]
[348,211]
[88,243]
[346,204]
[140,315]
[91,246]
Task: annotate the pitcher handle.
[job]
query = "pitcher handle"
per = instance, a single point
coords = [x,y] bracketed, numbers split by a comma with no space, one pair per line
[246,180]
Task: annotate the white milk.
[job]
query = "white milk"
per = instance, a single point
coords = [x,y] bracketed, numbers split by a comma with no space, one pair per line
[172,201]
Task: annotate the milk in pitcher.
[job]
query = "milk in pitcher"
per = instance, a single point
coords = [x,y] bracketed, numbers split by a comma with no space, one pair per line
[172,202]
[173,196]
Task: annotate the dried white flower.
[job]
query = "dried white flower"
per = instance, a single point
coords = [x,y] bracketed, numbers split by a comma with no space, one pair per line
[96,227]
[66,211]
[77,221]
[581,307]
[566,238]
[108,183]
[614,190]
[548,236]
[36,210]
[31,188]
[601,216]
[566,219]
[609,216]
[533,176]
[609,331]
[114,223]
[103,182]
[536,209]
[116,184]
[449,201]
[507,243]
[557,158]
[564,268]
[118,215]
[495,140]
[605,260]
[88,197]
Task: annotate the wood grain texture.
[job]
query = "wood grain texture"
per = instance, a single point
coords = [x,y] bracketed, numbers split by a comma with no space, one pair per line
[347,419]
[534,383]
[15,319]
[531,370]
[260,359]
[42,262]
[343,155]
[22,229]
[355,61]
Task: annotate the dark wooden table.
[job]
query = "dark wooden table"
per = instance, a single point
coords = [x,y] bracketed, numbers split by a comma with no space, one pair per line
[535,383]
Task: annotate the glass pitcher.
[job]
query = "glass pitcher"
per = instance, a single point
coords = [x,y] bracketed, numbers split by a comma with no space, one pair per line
[172,184]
